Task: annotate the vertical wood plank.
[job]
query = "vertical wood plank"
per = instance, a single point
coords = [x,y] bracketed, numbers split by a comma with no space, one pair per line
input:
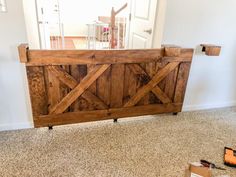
[171,83]
[151,70]
[37,88]
[83,104]
[158,65]
[23,50]
[141,81]
[74,70]
[117,85]
[161,65]
[181,82]
[53,88]
[64,90]
[104,86]
[93,87]
[79,72]
[130,84]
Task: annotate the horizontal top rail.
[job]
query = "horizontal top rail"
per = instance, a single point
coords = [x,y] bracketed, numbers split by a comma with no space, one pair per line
[70,57]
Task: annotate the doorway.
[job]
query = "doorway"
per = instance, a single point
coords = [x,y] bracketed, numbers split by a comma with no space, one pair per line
[93,24]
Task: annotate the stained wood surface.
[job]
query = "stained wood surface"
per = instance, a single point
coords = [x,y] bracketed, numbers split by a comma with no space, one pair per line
[211,50]
[79,89]
[23,53]
[71,86]
[181,82]
[155,80]
[71,82]
[87,116]
[53,88]
[38,93]
[104,86]
[117,85]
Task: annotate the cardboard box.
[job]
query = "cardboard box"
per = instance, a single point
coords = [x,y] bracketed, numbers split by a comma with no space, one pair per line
[197,170]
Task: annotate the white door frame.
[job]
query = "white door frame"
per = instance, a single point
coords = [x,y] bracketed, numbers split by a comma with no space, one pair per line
[31,23]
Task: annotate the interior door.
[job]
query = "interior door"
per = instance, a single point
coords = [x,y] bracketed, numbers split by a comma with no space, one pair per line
[43,24]
[49,23]
[142,22]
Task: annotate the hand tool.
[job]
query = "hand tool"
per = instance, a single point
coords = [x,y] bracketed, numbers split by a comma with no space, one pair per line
[210,165]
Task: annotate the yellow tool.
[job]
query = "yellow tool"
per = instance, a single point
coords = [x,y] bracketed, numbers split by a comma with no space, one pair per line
[230,157]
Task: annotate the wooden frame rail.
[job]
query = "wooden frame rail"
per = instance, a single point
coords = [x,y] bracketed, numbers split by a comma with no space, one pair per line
[71,86]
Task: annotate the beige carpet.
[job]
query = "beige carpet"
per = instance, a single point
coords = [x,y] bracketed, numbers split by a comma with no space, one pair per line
[148,146]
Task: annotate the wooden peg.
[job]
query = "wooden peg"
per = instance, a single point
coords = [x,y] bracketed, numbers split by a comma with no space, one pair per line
[172,50]
[23,50]
[211,50]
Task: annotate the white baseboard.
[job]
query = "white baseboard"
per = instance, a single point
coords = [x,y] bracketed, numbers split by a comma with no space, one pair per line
[208,106]
[16,126]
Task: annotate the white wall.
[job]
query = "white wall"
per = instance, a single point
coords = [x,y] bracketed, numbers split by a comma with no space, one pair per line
[159,23]
[13,97]
[212,81]
[77,13]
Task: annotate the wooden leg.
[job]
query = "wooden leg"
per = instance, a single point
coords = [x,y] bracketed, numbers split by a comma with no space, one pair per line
[50,127]
[115,120]
[175,113]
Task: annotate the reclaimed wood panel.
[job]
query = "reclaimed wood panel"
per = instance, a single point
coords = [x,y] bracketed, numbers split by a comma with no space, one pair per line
[69,57]
[53,88]
[130,83]
[104,86]
[181,84]
[93,86]
[37,89]
[170,83]
[79,89]
[117,85]
[87,116]
[71,86]
[155,80]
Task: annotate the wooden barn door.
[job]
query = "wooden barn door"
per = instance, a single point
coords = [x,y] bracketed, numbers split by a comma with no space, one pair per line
[71,86]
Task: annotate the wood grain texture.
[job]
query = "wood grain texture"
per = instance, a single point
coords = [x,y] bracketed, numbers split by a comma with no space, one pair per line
[93,87]
[71,82]
[155,80]
[79,89]
[64,89]
[83,103]
[87,116]
[69,57]
[117,85]
[71,86]
[181,84]
[104,86]
[130,84]
[211,50]
[172,51]
[170,83]
[142,79]
[138,70]
[53,89]
[75,73]
[23,53]
[37,88]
